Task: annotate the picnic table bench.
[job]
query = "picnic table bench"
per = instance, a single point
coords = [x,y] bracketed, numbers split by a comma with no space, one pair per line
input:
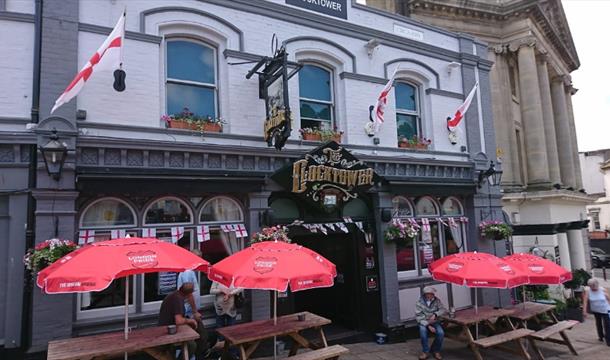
[152,341]
[533,311]
[330,352]
[490,317]
[248,336]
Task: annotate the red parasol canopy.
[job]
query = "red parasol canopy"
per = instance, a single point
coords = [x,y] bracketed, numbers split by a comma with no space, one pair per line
[271,265]
[93,267]
[538,270]
[475,269]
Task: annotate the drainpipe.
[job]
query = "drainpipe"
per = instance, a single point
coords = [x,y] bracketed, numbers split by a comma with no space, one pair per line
[30,235]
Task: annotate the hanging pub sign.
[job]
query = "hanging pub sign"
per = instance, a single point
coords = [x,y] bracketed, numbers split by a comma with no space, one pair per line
[327,175]
[273,88]
[336,8]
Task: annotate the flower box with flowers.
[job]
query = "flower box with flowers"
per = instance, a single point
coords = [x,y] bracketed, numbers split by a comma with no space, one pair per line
[273,233]
[46,253]
[400,233]
[419,143]
[189,121]
[315,134]
[495,230]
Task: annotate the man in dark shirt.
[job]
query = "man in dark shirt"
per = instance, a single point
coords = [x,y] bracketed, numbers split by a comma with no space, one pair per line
[172,313]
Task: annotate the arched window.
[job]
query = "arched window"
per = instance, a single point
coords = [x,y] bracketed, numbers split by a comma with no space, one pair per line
[191,80]
[452,207]
[221,209]
[401,207]
[316,97]
[408,116]
[168,210]
[108,212]
[426,206]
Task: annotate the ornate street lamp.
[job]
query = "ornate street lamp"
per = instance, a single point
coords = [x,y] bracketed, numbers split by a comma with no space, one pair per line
[492,176]
[54,154]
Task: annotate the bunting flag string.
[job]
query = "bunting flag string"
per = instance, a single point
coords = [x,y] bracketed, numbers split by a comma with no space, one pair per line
[360,226]
[226,228]
[240,231]
[149,233]
[425,224]
[203,233]
[464,219]
[177,233]
[452,222]
[440,220]
[86,237]
[331,226]
[342,227]
[322,228]
[118,233]
[347,220]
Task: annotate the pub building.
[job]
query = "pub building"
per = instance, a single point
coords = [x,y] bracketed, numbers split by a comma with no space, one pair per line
[130,171]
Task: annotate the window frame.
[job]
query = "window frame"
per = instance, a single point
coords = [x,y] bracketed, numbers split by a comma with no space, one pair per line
[325,102]
[163,225]
[417,113]
[214,86]
[218,223]
[88,207]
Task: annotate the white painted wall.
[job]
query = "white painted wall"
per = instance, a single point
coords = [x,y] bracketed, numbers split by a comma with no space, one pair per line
[20,6]
[592,176]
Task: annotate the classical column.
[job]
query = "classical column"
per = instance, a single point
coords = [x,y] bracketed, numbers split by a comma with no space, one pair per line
[577,171]
[531,114]
[502,113]
[577,249]
[564,250]
[549,122]
[564,134]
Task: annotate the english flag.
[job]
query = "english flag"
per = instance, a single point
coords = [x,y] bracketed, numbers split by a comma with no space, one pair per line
[382,102]
[109,56]
[461,111]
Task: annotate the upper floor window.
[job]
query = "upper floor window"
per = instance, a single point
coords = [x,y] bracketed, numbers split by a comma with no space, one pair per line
[167,211]
[108,212]
[191,80]
[407,110]
[316,97]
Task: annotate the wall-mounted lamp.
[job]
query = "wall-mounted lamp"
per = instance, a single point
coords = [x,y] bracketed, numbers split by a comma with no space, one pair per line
[492,176]
[452,65]
[371,45]
[54,154]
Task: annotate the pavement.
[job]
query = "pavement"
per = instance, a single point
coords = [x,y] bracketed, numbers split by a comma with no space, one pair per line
[583,337]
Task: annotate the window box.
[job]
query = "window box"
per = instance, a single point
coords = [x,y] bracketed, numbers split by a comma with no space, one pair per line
[212,127]
[312,137]
[181,124]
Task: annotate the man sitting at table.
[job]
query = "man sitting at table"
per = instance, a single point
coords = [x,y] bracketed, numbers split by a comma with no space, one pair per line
[172,313]
[428,310]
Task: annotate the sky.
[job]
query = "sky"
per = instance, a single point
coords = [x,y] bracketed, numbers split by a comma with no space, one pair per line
[592,101]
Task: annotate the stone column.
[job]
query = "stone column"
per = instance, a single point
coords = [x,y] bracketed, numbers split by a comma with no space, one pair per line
[577,171]
[502,115]
[261,300]
[549,122]
[564,250]
[531,114]
[564,135]
[577,249]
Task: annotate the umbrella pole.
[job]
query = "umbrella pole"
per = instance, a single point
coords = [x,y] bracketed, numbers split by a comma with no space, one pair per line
[476,311]
[126,310]
[274,323]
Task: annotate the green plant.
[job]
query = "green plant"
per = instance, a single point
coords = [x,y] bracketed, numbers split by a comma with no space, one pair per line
[401,233]
[324,134]
[188,116]
[536,292]
[495,229]
[560,306]
[579,278]
[46,253]
[274,233]
[573,302]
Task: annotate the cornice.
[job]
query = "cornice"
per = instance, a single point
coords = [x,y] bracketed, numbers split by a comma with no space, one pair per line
[515,45]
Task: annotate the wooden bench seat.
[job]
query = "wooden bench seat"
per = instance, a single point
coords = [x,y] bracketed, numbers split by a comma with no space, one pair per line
[331,352]
[503,338]
[554,329]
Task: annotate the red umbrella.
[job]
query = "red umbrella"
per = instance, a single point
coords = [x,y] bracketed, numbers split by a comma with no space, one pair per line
[93,267]
[475,269]
[538,270]
[274,265]
[271,265]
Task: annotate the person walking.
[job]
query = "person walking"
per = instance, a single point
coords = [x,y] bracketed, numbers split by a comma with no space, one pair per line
[428,310]
[599,304]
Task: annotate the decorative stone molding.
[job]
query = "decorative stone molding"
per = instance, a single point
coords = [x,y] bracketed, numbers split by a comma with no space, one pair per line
[498,48]
[515,45]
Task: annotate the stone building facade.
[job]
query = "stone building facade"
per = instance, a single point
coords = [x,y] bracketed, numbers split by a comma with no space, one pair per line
[127,172]
[595,168]
[533,54]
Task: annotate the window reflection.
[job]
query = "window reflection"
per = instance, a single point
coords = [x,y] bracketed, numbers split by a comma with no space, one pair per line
[168,211]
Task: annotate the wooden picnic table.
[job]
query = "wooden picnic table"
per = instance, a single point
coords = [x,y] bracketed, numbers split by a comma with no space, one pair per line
[152,341]
[246,337]
[533,311]
[489,317]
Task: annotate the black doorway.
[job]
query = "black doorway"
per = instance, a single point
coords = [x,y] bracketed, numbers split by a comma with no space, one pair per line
[340,302]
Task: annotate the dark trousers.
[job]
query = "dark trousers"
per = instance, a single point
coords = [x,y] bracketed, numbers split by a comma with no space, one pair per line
[602,323]
[200,346]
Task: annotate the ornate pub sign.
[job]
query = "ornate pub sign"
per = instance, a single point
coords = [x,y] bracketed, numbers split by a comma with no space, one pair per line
[326,176]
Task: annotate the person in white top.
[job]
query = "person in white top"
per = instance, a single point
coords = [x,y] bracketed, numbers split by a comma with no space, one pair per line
[599,302]
[224,303]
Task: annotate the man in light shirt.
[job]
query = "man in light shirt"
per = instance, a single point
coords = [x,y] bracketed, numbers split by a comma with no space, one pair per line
[193,301]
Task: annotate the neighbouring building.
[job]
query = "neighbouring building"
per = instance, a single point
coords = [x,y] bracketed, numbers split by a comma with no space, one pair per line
[595,167]
[129,172]
[533,54]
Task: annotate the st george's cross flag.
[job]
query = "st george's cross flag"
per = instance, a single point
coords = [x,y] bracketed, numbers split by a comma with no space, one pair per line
[382,102]
[453,122]
[109,56]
